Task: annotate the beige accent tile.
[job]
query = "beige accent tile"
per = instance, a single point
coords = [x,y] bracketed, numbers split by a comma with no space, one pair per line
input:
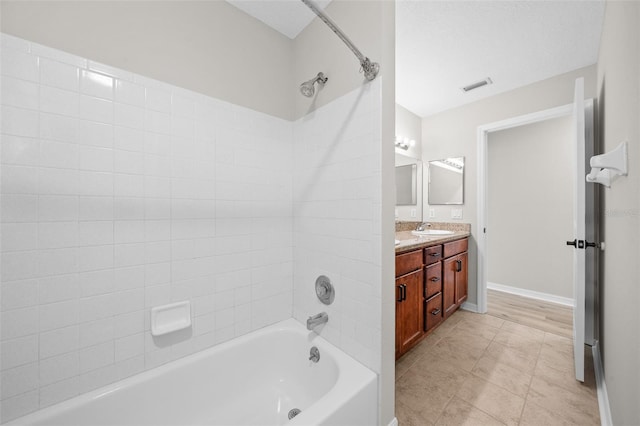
[456,351]
[462,337]
[427,387]
[492,399]
[523,330]
[535,415]
[428,342]
[458,316]
[405,362]
[558,357]
[503,375]
[461,413]
[445,328]
[558,341]
[407,416]
[524,344]
[566,380]
[467,325]
[522,361]
[485,319]
[574,407]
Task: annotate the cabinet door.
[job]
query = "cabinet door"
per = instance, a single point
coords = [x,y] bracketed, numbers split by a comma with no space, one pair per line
[448,286]
[409,310]
[433,280]
[433,312]
[461,278]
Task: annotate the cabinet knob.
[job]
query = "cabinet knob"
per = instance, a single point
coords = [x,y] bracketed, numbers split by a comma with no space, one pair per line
[434,254]
[435,312]
[435,279]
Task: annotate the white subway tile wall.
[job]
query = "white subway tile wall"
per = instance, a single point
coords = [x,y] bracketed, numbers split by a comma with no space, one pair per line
[120,193]
[336,203]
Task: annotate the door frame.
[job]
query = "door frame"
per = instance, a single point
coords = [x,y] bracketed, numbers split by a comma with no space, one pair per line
[482,183]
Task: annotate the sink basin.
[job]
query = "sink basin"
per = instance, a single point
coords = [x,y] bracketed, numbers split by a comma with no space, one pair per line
[432,232]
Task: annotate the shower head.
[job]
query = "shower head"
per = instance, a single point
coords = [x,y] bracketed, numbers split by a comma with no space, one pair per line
[308,87]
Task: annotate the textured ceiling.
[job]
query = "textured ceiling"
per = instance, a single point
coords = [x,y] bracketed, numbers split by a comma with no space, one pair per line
[289,17]
[442,46]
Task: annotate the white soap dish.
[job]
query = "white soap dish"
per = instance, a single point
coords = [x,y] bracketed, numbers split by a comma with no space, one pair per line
[169,318]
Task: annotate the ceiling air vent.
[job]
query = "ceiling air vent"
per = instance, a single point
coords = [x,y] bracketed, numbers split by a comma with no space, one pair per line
[477,84]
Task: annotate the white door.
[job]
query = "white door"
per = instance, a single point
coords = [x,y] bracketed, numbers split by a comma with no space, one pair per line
[579,231]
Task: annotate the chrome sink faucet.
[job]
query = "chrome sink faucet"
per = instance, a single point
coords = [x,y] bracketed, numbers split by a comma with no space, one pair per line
[422,226]
[316,320]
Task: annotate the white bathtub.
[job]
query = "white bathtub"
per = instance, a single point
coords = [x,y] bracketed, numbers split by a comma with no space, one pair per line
[253,380]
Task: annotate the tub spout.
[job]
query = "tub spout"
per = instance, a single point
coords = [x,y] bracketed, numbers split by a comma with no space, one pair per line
[316,320]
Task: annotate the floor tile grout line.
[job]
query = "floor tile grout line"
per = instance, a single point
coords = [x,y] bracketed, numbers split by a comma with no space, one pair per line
[526,397]
[445,407]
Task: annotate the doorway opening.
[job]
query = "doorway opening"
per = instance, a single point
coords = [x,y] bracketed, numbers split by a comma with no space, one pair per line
[530,205]
[484,219]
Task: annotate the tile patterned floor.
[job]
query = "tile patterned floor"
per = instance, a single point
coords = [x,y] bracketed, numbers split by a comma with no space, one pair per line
[483,370]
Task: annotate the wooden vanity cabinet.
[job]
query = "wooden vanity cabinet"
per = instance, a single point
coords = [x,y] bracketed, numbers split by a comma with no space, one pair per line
[409,300]
[454,276]
[432,288]
[433,312]
[431,283]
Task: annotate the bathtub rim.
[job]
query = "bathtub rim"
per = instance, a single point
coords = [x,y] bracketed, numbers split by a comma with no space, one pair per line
[353,377]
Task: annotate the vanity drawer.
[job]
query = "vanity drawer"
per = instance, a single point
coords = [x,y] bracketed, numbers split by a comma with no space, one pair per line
[408,262]
[433,283]
[455,247]
[432,254]
[432,312]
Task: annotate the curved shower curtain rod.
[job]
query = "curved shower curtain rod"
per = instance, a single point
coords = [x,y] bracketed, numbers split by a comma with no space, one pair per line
[369,68]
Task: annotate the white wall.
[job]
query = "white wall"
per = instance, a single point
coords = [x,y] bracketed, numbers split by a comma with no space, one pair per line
[317,49]
[120,193]
[454,133]
[409,125]
[210,47]
[371,26]
[618,111]
[530,207]
[336,185]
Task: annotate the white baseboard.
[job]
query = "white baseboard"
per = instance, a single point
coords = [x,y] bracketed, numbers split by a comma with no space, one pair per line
[603,397]
[394,422]
[469,307]
[567,301]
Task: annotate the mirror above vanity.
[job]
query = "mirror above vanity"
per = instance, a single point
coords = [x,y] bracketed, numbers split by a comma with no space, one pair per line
[406,185]
[409,184]
[446,181]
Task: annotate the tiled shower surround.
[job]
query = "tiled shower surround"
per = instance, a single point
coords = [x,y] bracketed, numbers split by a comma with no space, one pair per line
[119,193]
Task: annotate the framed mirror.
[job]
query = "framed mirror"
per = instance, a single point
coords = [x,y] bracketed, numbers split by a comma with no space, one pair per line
[446,181]
[406,185]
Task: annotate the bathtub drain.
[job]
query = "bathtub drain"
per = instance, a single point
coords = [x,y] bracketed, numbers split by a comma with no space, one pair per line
[294,412]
